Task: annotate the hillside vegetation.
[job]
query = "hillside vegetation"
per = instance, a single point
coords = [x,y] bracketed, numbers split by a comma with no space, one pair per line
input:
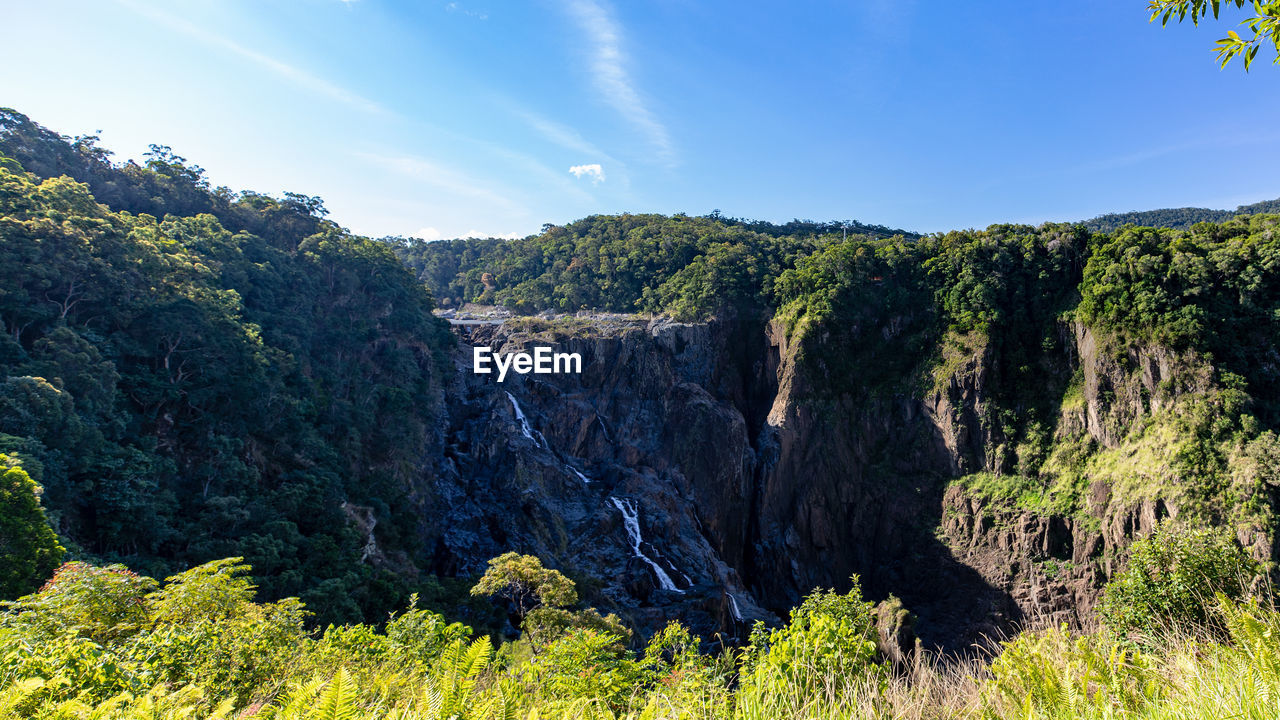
[898,316]
[104,642]
[684,266]
[189,374]
[1178,218]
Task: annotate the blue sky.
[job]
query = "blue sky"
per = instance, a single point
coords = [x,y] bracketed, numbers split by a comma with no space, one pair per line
[447,118]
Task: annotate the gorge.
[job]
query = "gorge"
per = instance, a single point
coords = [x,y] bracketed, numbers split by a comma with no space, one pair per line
[978,423]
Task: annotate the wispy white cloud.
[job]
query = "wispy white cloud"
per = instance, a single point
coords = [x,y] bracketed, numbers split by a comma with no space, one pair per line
[440,177]
[297,76]
[565,137]
[428,233]
[611,77]
[593,171]
[455,7]
[562,135]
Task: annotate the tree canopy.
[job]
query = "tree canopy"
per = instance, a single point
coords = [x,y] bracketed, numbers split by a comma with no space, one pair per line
[192,373]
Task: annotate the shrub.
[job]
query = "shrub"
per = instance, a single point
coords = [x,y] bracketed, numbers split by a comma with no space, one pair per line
[216,590]
[1171,580]
[419,635]
[28,545]
[586,664]
[830,636]
[542,626]
[1052,674]
[99,603]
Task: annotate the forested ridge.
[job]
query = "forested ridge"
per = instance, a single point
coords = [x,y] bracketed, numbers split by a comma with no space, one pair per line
[1177,218]
[191,373]
[686,266]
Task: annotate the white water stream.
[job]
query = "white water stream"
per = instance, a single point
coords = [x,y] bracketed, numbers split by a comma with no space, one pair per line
[524,423]
[626,506]
[585,480]
[631,519]
[733,607]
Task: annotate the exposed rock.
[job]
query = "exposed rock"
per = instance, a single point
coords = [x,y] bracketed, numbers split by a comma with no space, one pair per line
[895,632]
[753,484]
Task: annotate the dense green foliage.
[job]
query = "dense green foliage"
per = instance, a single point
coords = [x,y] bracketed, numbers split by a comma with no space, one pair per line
[1173,578]
[686,266]
[165,185]
[896,316]
[103,642]
[1003,309]
[190,373]
[28,545]
[1214,288]
[184,389]
[1177,218]
[829,636]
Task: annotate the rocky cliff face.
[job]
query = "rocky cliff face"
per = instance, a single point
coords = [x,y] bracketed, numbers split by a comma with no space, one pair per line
[635,476]
[1053,565]
[700,471]
[854,486]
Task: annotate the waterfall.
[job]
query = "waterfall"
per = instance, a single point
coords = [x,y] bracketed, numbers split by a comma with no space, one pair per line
[733,607]
[585,480]
[604,429]
[631,519]
[524,423]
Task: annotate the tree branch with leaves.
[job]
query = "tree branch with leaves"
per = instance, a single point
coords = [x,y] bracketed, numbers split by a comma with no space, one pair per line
[1263,27]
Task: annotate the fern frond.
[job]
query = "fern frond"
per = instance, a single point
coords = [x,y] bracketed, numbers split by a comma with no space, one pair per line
[338,701]
[301,697]
[16,693]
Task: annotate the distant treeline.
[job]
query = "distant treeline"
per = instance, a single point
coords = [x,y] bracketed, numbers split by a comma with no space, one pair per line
[682,265]
[1178,218]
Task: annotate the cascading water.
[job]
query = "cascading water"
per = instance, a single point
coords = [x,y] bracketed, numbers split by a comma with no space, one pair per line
[626,506]
[631,520]
[733,607]
[585,480]
[524,423]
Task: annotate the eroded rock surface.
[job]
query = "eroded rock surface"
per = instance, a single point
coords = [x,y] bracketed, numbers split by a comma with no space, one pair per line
[749,485]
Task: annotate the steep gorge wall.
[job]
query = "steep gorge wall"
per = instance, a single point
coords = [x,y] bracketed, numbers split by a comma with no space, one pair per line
[552,464]
[752,483]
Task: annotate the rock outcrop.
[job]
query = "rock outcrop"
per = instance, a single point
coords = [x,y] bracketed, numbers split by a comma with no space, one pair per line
[703,472]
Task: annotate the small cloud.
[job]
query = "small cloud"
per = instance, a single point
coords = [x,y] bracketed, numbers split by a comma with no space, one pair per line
[593,171]
[457,7]
[428,233]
